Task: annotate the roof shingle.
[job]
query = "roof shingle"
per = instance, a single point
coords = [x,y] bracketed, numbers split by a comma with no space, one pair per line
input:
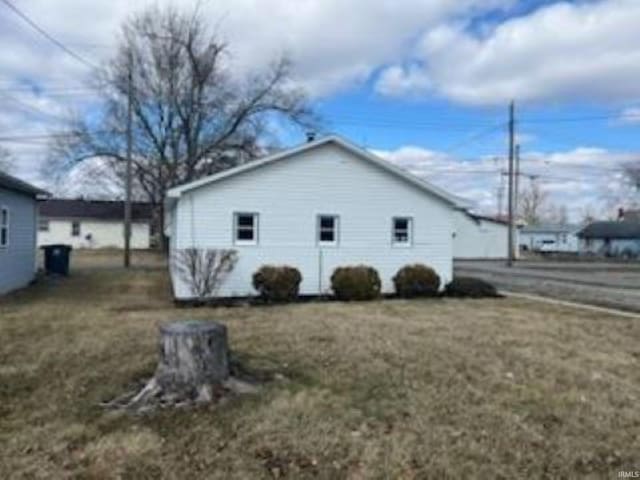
[94,209]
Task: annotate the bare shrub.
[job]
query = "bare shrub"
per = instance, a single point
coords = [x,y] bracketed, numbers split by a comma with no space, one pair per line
[204,270]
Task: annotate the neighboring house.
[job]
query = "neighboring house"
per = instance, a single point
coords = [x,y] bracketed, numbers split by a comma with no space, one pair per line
[93,223]
[612,239]
[480,237]
[322,205]
[18,220]
[549,238]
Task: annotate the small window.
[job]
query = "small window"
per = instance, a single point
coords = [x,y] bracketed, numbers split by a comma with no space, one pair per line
[43,225]
[402,231]
[75,229]
[246,228]
[327,229]
[4,227]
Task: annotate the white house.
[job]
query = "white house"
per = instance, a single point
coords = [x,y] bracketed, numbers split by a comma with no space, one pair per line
[479,237]
[18,219]
[324,204]
[549,238]
[93,223]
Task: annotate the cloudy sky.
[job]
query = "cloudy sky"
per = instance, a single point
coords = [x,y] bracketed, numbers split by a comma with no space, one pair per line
[424,83]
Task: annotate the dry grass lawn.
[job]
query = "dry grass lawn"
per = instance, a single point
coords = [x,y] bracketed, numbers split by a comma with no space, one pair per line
[391,389]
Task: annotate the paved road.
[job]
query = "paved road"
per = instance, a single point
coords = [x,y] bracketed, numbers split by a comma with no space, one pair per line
[615,285]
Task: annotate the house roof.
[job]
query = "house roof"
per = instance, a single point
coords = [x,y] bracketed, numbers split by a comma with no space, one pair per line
[453,200]
[94,209]
[550,228]
[486,218]
[611,230]
[17,185]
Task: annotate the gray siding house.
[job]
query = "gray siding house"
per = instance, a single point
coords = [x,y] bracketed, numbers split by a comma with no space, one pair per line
[611,239]
[18,222]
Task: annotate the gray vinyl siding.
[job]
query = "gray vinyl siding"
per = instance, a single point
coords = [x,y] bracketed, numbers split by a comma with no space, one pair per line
[289,195]
[18,258]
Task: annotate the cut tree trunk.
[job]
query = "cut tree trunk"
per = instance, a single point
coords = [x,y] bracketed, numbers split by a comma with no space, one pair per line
[194,356]
[194,367]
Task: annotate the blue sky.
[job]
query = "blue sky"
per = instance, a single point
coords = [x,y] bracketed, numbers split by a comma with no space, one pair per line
[423,83]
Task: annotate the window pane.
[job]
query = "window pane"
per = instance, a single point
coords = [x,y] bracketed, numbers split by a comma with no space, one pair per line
[401,230]
[3,236]
[245,220]
[327,236]
[4,221]
[245,234]
[401,236]
[402,223]
[327,222]
[75,229]
[43,225]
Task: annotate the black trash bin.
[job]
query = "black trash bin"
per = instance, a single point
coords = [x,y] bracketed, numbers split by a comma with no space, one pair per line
[56,259]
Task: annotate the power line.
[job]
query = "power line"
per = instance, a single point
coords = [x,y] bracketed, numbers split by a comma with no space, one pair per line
[47,35]
[473,137]
[30,108]
[619,116]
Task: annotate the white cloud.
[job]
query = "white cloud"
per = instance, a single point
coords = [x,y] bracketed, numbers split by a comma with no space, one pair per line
[587,50]
[584,176]
[630,115]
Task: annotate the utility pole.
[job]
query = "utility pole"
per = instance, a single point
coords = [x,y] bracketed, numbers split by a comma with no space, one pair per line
[127,197]
[511,235]
[516,191]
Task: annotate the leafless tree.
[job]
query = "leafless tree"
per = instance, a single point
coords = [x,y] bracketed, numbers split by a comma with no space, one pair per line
[6,165]
[203,270]
[191,115]
[533,203]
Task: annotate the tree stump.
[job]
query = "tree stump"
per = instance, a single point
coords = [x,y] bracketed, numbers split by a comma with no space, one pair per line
[194,356]
[194,367]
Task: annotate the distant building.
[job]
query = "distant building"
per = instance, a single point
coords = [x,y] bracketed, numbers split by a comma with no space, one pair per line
[18,220]
[629,215]
[549,238]
[480,237]
[611,239]
[93,224]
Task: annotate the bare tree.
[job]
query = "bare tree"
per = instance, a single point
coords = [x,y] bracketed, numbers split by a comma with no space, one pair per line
[533,203]
[6,164]
[191,115]
[556,214]
[203,270]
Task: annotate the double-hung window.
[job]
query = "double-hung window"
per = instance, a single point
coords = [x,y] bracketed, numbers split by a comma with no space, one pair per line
[4,227]
[43,224]
[327,229]
[245,228]
[402,231]
[75,228]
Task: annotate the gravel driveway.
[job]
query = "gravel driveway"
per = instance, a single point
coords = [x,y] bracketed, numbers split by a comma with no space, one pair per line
[615,285]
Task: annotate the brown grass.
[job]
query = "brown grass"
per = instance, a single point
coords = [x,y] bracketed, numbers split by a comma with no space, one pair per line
[391,389]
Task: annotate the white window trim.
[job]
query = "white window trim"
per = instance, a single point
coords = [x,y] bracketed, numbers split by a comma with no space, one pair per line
[409,242]
[79,228]
[40,219]
[256,228]
[336,230]
[6,226]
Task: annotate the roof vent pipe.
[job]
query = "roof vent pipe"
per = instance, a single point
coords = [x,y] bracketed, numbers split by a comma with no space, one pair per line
[311,136]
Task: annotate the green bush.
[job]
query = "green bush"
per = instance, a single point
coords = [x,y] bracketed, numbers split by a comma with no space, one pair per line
[358,282]
[416,281]
[470,287]
[277,284]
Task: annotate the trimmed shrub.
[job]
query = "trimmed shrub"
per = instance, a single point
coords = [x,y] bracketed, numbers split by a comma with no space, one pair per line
[358,282]
[470,287]
[277,284]
[416,281]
